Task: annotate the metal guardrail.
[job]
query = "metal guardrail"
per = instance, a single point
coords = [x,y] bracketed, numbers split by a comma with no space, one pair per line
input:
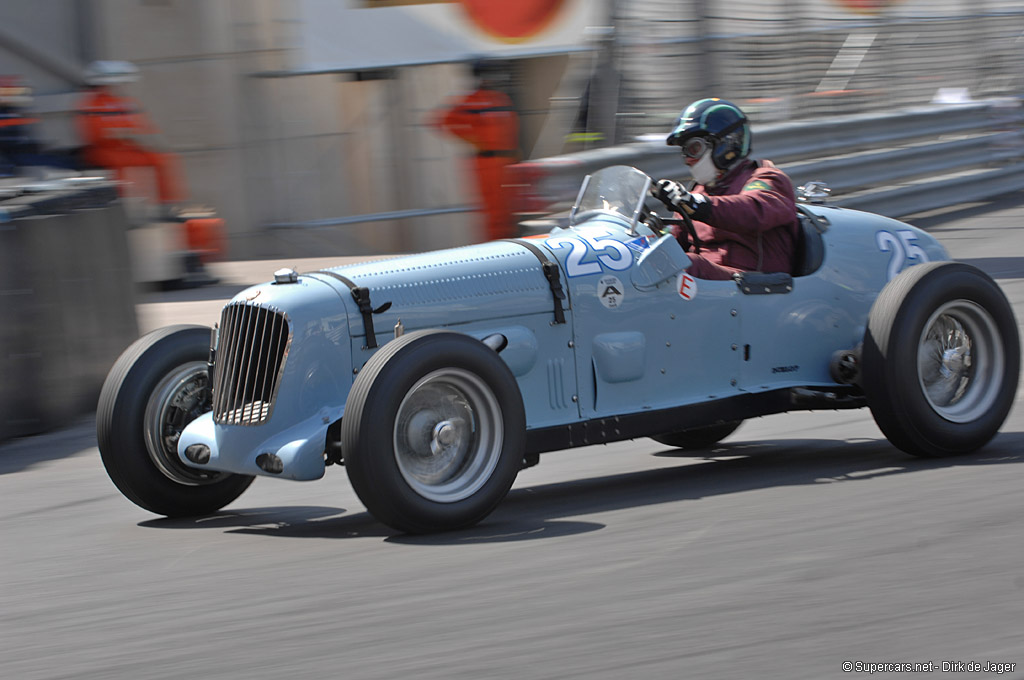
[867,160]
[373,217]
[808,59]
[872,161]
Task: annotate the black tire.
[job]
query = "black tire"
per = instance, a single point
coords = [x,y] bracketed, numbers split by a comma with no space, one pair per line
[698,438]
[411,454]
[941,359]
[136,419]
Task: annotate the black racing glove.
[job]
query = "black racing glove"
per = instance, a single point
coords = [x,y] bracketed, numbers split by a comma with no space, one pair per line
[675,197]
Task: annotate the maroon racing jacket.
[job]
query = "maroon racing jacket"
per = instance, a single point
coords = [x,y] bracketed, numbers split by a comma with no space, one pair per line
[751,208]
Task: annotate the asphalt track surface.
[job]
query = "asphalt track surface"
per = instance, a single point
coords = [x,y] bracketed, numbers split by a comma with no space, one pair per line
[802,542]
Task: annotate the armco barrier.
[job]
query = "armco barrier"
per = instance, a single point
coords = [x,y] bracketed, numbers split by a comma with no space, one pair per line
[977,145]
[913,143]
[68,302]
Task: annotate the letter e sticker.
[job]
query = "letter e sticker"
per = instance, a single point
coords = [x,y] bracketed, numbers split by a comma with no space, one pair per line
[687,286]
[610,292]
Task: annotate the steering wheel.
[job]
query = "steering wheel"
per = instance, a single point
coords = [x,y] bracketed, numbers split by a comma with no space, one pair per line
[688,238]
[652,221]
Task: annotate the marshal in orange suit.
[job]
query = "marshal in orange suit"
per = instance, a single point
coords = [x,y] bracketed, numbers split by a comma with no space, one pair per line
[486,119]
[109,124]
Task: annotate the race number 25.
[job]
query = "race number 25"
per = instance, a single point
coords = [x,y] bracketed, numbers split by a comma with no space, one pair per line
[587,254]
[902,246]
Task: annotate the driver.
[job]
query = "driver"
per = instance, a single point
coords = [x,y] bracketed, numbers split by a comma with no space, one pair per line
[744,210]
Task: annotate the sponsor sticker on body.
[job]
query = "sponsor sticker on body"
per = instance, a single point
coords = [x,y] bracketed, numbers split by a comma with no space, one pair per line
[687,286]
[610,291]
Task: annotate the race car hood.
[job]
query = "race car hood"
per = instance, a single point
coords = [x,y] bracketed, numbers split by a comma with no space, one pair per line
[288,350]
[444,288]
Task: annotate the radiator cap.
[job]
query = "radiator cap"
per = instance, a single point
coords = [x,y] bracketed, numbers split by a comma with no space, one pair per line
[286,275]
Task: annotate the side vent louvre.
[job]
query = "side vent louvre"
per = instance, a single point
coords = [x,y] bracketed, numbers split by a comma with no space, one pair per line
[250,358]
[556,384]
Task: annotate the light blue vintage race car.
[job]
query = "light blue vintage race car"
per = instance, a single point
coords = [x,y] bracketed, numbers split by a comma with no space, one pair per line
[435,378]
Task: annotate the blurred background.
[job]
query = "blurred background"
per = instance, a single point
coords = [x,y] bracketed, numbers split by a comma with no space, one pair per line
[306,124]
[241,130]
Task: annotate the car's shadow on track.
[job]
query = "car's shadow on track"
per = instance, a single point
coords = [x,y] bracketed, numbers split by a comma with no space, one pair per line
[332,523]
[294,520]
[727,469]
[549,510]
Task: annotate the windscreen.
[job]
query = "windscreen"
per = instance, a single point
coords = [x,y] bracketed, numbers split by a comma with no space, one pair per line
[618,190]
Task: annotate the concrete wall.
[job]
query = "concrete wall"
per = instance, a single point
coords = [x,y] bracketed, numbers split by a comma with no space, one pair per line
[332,146]
[271,151]
[45,42]
[195,57]
[268,151]
[68,312]
[312,148]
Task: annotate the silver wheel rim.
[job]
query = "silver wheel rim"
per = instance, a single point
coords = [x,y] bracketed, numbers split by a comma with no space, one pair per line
[183,395]
[960,361]
[448,435]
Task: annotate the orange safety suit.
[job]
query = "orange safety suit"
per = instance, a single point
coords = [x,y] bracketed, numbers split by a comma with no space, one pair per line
[485,118]
[106,123]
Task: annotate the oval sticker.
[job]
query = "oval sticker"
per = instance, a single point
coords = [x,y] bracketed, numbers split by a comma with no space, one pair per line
[611,292]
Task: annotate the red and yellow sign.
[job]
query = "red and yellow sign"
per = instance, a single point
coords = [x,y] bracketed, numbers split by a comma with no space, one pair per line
[512,20]
[866,6]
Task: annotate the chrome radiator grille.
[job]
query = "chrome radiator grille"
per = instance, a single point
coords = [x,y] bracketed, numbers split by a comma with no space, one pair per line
[250,358]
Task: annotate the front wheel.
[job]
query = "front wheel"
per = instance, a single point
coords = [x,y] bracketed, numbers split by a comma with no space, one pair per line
[941,359]
[159,385]
[434,432]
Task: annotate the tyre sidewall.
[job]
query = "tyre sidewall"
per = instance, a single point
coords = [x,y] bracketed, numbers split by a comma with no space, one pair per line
[891,350]
[120,426]
[368,430]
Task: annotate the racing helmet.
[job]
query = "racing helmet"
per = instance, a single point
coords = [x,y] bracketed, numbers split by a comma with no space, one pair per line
[721,123]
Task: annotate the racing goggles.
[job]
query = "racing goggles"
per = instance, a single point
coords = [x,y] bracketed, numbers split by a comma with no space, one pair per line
[695,147]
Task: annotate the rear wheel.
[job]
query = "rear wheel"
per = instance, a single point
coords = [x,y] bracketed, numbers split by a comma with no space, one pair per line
[698,438]
[159,385]
[941,359]
[433,432]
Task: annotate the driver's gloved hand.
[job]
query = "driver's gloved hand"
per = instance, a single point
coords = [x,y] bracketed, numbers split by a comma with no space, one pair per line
[675,197]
